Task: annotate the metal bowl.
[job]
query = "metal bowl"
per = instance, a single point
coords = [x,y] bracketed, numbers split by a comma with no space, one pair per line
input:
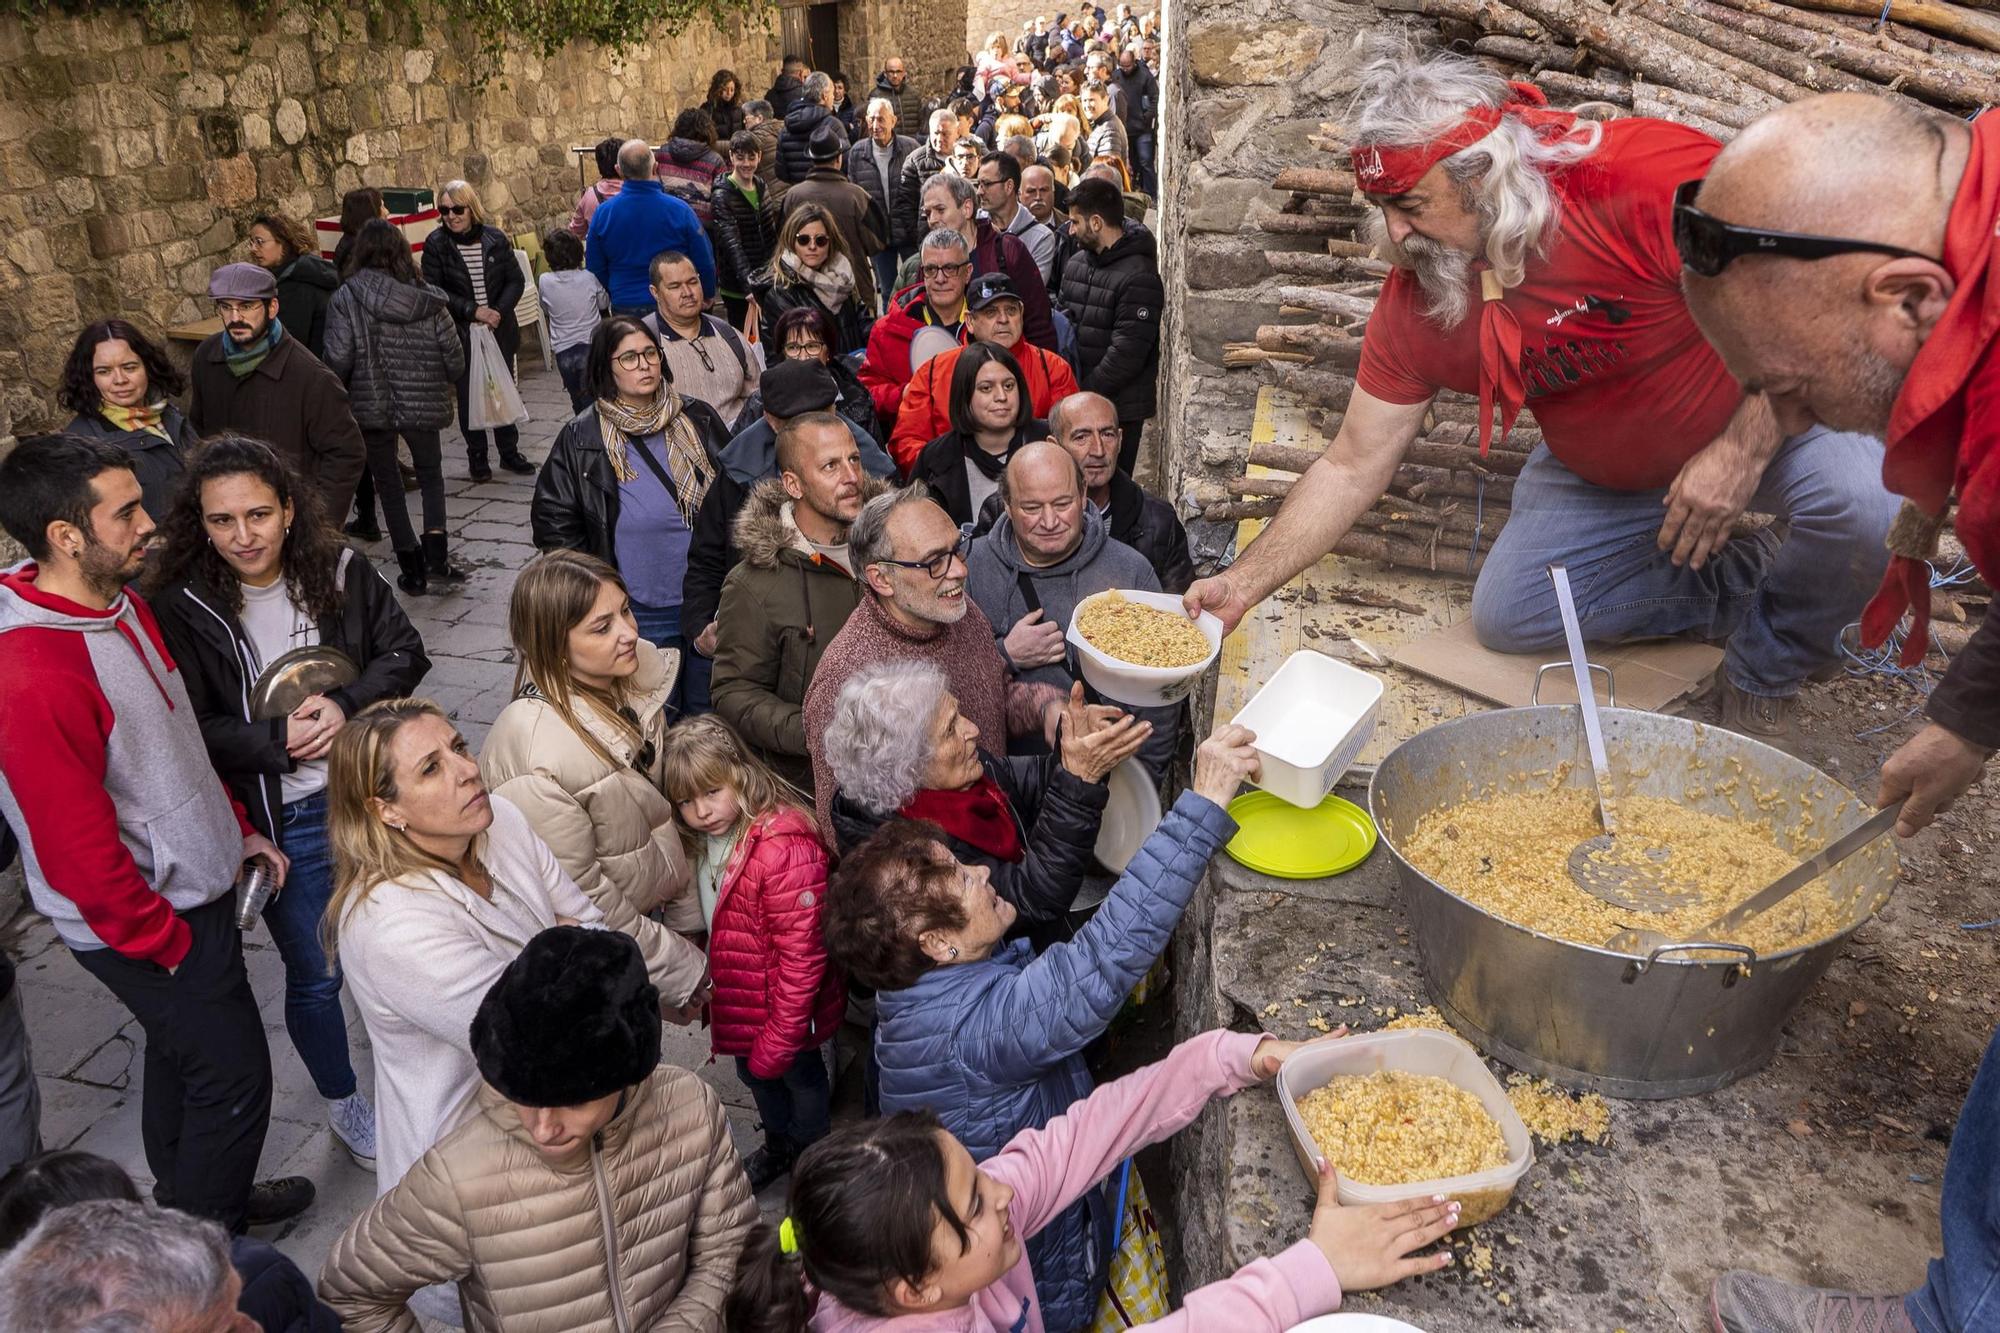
[1668,1025]
[296,676]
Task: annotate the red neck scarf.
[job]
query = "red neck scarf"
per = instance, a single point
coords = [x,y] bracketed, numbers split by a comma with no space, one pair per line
[1390,171]
[978,816]
[1933,447]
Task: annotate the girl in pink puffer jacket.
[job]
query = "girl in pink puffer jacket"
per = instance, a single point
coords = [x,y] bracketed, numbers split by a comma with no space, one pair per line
[760,873]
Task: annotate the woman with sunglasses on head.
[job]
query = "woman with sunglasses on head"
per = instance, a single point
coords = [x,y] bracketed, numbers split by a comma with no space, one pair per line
[991,416]
[121,386]
[812,269]
[473,264]
[578,752]
[625,480]
[249,573]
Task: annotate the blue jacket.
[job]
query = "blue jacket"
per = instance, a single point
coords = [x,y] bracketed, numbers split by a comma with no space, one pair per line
[996,1047]
[632,226]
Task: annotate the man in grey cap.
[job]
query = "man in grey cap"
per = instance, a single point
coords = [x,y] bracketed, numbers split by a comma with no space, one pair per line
[254,378]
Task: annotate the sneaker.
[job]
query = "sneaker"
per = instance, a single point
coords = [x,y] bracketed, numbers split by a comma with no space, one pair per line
[353,1121]
[1765,717]
[767,1165]
[279,1200]
[1752,1303]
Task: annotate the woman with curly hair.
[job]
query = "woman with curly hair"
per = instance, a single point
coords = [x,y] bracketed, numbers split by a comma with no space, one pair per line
[120,385]
[812,268]
[251,571]
[724,104]
[305,281]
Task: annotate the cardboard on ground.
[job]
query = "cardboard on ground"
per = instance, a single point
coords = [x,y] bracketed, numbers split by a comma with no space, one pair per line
[1648,675]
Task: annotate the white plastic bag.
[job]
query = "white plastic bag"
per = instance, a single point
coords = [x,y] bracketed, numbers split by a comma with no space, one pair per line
[492,400]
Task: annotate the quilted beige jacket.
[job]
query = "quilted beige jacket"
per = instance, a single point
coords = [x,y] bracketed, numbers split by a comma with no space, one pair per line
[638,1233]
[610,826]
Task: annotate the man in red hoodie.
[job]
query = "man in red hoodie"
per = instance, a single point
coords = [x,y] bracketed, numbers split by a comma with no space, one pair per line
[130,842]
[1841,256]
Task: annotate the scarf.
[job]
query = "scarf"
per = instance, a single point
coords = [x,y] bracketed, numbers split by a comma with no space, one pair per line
[832,282]
[979,817]
[1934,444]
[242,360]
[150,418]
[687,461]
[990,465]
[1392,170]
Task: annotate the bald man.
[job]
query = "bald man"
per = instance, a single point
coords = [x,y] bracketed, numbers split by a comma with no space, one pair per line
[1536,268]
[1047,551]
[1840,256]
[619,246]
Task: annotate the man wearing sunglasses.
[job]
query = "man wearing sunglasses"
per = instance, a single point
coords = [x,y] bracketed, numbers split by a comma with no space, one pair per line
[1536,268]
[1842,257]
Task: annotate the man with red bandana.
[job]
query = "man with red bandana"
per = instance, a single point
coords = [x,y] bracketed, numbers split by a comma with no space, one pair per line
[1843,258]
[1535,266]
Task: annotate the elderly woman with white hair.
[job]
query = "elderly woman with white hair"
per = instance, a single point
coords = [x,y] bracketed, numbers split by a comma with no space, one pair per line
[473,264]
[1535,256]
[986,1033]
[897,745]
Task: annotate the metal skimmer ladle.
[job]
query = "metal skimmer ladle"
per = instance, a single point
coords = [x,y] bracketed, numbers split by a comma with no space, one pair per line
[1597,865]
[1647,942]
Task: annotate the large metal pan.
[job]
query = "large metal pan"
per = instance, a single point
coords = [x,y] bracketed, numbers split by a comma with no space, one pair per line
[1668,1025]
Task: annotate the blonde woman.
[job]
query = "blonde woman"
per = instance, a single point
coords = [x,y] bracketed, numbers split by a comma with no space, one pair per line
[438,886]
[473,265]
[579,752]
[812,268]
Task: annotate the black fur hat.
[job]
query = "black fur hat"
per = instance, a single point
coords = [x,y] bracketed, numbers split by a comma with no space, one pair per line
[571,1020]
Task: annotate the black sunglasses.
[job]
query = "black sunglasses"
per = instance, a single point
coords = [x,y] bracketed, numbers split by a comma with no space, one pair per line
[1709,245]
[453,209]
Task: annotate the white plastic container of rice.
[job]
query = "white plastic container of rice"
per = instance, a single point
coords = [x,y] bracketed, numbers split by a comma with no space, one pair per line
[1311,719]
[1418,1051]
[1142,686]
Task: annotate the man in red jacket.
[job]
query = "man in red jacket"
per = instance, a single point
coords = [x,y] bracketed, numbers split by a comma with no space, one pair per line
[1842,257]
[950,201]
[130,842]
[946,266]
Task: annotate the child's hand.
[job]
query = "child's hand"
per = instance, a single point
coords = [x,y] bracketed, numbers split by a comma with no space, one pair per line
[1271,1053]
[1373,1246]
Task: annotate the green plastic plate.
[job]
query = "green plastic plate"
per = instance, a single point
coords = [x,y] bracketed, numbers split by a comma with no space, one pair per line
[1275,837]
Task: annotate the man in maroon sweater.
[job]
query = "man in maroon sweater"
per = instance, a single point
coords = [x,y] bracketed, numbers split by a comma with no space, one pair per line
[130,841]
[911,557]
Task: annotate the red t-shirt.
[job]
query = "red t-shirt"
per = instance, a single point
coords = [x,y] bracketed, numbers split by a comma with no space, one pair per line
[1624,386]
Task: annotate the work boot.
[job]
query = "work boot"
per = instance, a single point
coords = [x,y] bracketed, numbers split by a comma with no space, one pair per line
[770,1163]
[1752,1303]
[438,563]
[475,459]
[412,579]
[1764,717]
[278,1200]
[514,461]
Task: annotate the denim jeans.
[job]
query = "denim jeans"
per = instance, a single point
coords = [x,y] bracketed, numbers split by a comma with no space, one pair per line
[1780,597]
[661,627]
[570,364]
[313,1015]
[796,1108]
[1962,1292]
[1143,179]
[886,262]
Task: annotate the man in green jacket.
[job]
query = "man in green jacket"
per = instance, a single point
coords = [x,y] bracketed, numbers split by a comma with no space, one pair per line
[792,590]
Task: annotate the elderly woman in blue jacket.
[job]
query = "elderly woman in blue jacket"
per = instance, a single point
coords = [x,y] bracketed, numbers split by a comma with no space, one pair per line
[988,1035]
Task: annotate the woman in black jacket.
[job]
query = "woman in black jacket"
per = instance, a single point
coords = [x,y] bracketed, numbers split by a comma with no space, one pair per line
[306,282]
[812,268]
[249,573]
[991,416]
[119,384]
[474,266]
[804,334]
[627,477]
[390,337]
[724,104]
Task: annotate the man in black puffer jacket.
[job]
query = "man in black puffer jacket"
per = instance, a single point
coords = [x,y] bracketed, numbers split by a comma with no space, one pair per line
[813,109]
[1112,291]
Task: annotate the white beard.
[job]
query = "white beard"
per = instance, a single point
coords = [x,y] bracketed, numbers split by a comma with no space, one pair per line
[1445,274]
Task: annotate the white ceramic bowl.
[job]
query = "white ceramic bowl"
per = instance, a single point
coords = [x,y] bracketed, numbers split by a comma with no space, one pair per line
[1140,686]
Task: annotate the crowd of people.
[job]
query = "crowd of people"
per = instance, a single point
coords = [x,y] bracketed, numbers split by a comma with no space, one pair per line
[797,752]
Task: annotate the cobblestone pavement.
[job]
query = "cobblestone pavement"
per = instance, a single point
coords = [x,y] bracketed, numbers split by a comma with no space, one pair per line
[88,1051]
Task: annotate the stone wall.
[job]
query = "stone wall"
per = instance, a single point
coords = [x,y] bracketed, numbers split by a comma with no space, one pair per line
[928,36]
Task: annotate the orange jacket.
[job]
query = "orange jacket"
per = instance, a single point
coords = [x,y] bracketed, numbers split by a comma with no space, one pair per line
[925,415]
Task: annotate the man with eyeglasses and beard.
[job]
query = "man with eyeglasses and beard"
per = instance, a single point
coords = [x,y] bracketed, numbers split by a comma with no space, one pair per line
[1536,266]
[911,558]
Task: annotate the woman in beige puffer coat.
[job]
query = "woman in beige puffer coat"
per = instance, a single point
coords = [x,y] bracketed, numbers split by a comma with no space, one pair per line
[578,750]
[593,1191]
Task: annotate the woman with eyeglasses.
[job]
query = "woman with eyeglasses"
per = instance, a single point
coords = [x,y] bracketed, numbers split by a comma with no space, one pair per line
[812,269]
[306,282]
[805,334]
[625,479]
[991,416]
[578,753]
[473,265]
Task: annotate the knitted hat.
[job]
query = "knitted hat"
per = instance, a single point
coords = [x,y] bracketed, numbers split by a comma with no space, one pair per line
[793,387]
[572,1019]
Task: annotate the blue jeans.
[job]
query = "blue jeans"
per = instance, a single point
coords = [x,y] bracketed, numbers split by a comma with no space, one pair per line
[570,363]
[1143,179]
[1962,1292]
[313,1015]
[886,263]
[661,627]
[797,1108]
[1780,600]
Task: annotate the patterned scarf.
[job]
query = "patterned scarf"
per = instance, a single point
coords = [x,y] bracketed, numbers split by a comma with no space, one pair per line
[832,282]
[687,461]
[242,360]
[149,418]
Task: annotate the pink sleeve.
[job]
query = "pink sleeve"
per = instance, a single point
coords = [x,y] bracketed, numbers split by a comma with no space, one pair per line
[1264,1296]
[1050,1168]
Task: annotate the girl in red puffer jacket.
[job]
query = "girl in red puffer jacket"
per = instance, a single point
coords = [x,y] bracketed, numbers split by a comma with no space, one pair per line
[760,872]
